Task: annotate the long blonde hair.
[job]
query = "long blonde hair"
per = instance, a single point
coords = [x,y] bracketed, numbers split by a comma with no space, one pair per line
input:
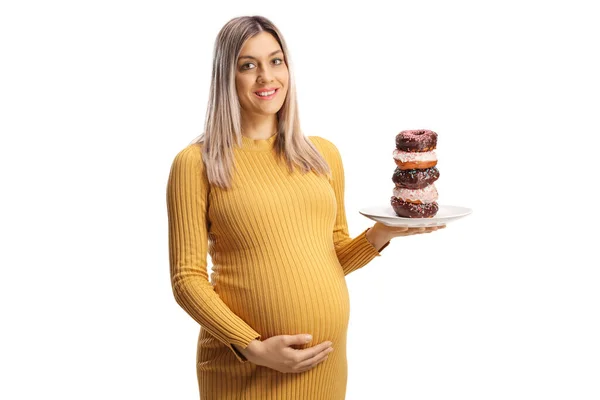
[223,115]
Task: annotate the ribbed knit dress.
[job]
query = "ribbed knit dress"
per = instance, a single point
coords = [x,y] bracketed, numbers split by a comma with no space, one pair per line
[280,251]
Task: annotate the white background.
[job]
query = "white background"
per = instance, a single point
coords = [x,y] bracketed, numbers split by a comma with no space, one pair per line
[96,98]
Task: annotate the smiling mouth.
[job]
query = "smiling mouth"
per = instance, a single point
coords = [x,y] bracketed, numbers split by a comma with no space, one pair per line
[267,94]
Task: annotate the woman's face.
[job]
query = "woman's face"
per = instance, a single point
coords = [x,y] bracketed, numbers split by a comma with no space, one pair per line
[261,68]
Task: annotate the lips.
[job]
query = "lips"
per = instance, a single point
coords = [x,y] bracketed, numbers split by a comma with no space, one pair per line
[266,90]
[271,96]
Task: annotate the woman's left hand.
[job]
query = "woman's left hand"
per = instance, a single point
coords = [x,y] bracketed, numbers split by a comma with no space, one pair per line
[380,234]
[395,231]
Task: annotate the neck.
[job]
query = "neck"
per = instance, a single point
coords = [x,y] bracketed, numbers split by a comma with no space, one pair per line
[259,126]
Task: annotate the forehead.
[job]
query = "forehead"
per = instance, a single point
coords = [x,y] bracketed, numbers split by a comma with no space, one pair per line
[260,45]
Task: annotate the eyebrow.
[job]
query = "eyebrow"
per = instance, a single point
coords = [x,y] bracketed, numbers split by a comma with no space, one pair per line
[254,58]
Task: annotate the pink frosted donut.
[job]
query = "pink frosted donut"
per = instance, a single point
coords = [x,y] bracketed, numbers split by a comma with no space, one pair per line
[419,140]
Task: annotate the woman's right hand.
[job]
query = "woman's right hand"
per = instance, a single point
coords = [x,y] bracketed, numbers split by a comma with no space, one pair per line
[276,353]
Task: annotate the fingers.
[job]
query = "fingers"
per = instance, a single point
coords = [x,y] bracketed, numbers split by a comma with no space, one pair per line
[413,231]
[407,231]
[399,231]
[434,228]
[306,354]
[284,357]
[313,361]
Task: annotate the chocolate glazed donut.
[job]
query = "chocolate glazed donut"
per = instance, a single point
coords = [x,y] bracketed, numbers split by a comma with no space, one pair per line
[413,210]
[416,140]
[415,178]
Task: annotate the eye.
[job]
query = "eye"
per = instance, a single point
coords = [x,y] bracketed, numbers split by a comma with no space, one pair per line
[278,61]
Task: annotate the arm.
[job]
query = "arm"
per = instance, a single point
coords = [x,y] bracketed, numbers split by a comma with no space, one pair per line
[353,253]
[187,205]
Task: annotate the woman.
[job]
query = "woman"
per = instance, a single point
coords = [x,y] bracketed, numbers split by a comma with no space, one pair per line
[267,204]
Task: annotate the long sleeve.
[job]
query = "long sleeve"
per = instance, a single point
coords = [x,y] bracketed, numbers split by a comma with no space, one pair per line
[353,253]
[187,206]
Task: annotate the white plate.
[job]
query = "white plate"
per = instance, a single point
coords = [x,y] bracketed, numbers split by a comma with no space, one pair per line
[387,216]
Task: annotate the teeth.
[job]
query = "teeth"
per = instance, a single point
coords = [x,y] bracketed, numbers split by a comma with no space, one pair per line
[266,93]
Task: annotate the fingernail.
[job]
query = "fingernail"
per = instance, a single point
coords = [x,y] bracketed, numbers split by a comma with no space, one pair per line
[308,338]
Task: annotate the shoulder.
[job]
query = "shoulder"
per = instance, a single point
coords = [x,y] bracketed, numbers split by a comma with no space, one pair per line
[192,152]
[190,157]
[325,146]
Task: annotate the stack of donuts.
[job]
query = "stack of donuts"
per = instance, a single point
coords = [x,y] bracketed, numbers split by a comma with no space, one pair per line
[415,195]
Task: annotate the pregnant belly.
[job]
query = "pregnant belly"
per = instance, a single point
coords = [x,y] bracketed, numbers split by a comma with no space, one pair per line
[288,301]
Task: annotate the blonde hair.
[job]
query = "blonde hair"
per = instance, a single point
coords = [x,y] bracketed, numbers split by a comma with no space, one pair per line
[223,115]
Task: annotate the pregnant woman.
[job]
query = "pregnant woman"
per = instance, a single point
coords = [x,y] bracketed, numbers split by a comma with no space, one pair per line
[267,204]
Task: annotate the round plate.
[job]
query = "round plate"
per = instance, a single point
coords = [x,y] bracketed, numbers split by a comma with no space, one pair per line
[387,216]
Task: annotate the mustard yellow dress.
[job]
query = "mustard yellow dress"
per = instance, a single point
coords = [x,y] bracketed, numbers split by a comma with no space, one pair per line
[280,251]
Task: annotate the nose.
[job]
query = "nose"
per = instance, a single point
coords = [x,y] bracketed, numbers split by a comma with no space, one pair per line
[265,75]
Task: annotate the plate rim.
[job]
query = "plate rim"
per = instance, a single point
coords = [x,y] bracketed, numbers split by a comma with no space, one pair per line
[467,211]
